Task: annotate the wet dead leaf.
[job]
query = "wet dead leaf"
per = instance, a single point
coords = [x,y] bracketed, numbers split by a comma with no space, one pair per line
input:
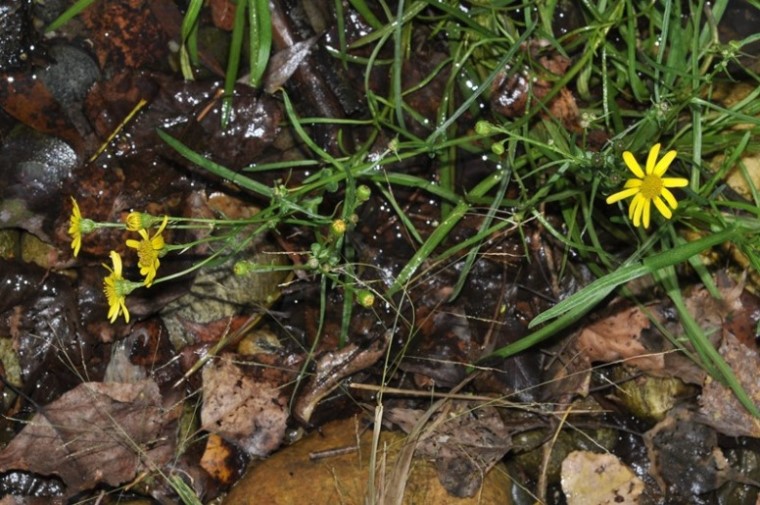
[713,313]
[646,396]
[126,34]
[333,367]
[718,405]
[618,337]
[285,62]
[223,14]
[249,411]
[39,311]
[465,442]
[218,460]
[27,98]
[95,433]
[684,455]
[589,478]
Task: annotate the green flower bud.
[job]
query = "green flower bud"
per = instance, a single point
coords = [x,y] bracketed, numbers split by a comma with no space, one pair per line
[363,193]
[484,128]
[243,267]
[365,298]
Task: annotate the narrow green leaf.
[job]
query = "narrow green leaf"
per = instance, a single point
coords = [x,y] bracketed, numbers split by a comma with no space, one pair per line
[260,39]
[233,61]
[585,299]
[442,231]
[68,14]
[215,168]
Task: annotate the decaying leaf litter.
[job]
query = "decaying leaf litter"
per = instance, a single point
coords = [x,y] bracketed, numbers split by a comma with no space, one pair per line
[377,265]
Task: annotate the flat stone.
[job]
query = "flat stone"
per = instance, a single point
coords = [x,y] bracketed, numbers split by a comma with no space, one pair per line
[290,476]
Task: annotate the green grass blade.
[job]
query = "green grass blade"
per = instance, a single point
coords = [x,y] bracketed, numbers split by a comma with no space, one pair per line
[68,14]
[215,168]
[584,300]
[364,11]
[188,51]
[233,61]
[441,232]
[260,39]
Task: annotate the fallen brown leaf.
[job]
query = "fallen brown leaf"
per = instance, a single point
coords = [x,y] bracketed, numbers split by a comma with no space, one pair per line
[618,337]
[331,368]
[465,442]
[718,405]
[589,478]
[126,34]
[219,460]
[95,433]
[249,412]
[684,455]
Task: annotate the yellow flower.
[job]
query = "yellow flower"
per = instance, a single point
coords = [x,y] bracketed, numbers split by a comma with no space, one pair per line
[137,221]
[148,251]
[338,227]
[78,226]
[116,289]
[650,186]
[75,228]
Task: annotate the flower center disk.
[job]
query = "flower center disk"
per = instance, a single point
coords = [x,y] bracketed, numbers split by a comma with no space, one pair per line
[651,186]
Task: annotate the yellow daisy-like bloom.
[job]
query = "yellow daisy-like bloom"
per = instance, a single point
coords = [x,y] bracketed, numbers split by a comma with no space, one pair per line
[148,251]
[75,227]
[650,186]
[78,226]
[116,289]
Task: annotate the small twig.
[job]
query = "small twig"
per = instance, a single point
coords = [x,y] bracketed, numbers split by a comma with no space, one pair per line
[118,129]
[548,448]
[332,453]
[226,339]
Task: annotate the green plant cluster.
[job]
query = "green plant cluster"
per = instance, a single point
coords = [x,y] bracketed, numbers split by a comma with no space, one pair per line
[641,72]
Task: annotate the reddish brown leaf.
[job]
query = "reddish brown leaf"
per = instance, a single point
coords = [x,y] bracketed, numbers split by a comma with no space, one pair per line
[222,14]
[26,98]
[95,433]
[126,34]
[618,337]
[251,412]
[718,405]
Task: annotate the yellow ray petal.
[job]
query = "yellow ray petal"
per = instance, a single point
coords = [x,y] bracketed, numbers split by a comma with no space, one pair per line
[632,164]
[674,182]
[620,195]
[664,210]
[668,196]
[663,165]
[652,159]
[647,213]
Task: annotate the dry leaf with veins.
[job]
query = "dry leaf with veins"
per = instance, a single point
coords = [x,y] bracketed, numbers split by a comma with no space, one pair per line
[95,433]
